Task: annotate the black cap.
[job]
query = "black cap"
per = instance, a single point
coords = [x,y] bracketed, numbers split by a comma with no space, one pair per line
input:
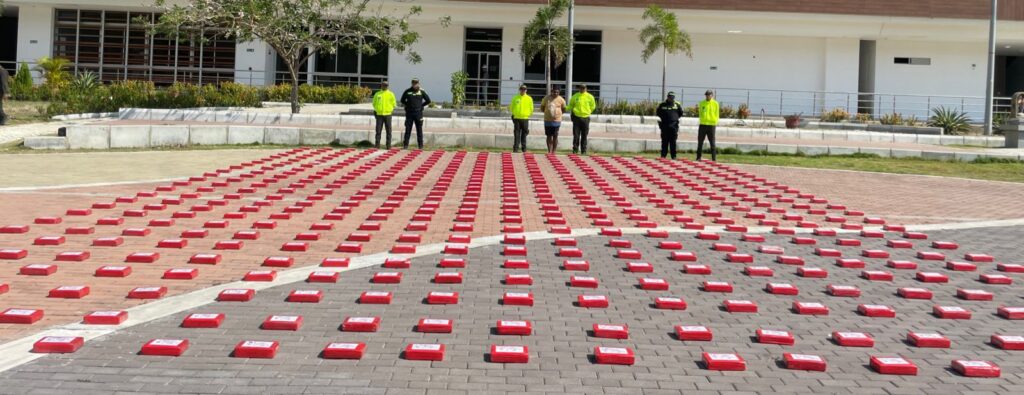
[709,92]
[522,87]
[384,83]
[415,80]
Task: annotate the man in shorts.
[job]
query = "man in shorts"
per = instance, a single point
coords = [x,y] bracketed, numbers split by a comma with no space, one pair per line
[553,106]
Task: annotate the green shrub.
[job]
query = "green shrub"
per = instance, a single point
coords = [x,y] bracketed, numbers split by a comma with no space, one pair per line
[835,115]
[132,94]
[743,112]
[863,117]
[691,112]
[22,84]
[951,120]
[727,112]
[231,94]
[891,119]
[458,88]
[179,95]
[622,107]
[278,93]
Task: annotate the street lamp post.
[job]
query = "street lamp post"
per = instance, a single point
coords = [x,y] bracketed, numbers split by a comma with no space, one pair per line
[568,60]
[990,80]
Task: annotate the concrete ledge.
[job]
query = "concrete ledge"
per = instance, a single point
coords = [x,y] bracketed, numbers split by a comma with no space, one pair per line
[129,136]
[88,136]
[320,136]
[169,135]
[208,135]
[283,136]
[245,134]
[46,142]
[631,145]
[477,141]
[348,137]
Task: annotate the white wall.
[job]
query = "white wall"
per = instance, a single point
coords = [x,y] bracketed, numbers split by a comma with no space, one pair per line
[743,62]
[441,50]
[957,69]
[251,63]
[841,74]
[35,35]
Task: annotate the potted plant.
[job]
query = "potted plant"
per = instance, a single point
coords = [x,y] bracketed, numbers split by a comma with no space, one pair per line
[793,120]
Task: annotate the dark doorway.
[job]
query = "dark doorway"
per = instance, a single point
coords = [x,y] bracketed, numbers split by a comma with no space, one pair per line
[9,41]
[482,64]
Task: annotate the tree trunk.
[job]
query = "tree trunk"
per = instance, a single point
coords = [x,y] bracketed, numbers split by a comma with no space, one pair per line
[664,66]
[295,93]
[295,88]
[547,70]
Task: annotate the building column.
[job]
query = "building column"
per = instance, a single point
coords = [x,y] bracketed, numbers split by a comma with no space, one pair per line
[841,73]
[251,63]
[35,35]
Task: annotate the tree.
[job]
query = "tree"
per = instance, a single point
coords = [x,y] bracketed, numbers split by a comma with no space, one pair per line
[663,33]
[296,29]
[541,36]
[55,74]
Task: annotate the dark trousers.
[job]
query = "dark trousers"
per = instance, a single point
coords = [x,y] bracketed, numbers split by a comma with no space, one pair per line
[520,129]
[669,134]
[409,122]
[3,115]
[580,130]
[706,131]
[383,122]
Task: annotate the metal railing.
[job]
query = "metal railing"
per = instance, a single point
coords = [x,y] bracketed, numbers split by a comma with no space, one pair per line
[811,104]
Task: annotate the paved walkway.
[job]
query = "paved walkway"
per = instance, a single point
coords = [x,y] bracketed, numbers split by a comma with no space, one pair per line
[471,197]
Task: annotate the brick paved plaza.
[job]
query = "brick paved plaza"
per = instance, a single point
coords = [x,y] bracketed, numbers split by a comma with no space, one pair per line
[309,232]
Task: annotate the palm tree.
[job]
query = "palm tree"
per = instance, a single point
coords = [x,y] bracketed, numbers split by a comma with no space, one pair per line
[541,36]
[663,33]
[54,71]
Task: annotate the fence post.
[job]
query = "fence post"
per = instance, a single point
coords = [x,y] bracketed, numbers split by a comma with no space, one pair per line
[928,111]
[814,103]
[780,102]
[616,93]
[893,104]
[648,93]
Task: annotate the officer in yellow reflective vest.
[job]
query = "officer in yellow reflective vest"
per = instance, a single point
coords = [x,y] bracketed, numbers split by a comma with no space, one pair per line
[581,105]
[383,106]
[669,113]
[521,109]
[708,109]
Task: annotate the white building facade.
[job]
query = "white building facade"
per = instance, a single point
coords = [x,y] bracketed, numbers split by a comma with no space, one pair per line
[779,60]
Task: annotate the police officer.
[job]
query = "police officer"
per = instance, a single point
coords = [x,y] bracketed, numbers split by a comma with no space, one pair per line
[708,109]
[5,90]
[383,105]
[581,105]
[669,113]
[414,100]
[521,109]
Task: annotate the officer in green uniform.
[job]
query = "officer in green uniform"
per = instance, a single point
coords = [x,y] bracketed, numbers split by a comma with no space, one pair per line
[414,100]
[669,113]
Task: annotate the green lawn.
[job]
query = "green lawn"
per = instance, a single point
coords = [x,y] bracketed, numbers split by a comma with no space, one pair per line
[1011,172]
[21,112]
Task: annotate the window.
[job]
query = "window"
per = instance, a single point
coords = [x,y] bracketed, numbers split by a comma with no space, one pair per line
[482,64]
[115,46]
[347,66]
[913,61]
[586,66]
